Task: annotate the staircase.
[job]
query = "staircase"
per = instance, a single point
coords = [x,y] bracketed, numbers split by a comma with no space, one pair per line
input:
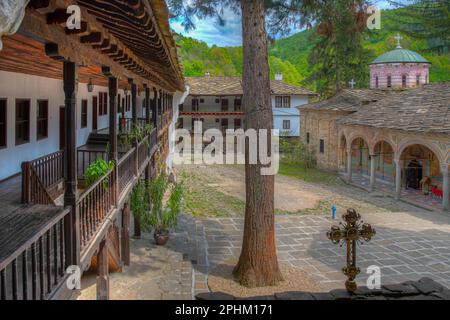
[98,138]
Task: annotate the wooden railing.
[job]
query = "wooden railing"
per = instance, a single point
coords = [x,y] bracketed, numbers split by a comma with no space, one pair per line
[153,138]
[126,170]
[143,152]
[126,124]
[88,157]
[94,205]
[41,177]
[35,269]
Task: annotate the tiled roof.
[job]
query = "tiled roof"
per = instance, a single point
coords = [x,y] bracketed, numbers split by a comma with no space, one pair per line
[425,109]
[279,87]
[217,86]
[214,86]
[348,100]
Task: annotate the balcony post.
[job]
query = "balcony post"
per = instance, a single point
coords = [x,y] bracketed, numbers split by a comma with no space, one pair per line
[72,223]
[26,196]
[148,121]
[154,106]
[133,101]
[126,234]
[113,149]
[160,105]
[103,272]
[147,105]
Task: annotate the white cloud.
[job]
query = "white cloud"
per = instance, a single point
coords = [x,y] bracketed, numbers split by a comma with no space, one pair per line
[209,31]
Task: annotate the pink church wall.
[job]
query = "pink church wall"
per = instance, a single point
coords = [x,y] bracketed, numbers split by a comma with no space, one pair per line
[396,71]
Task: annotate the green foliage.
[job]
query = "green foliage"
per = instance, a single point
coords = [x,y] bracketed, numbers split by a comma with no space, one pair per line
[149,208]
[139,202]
[295,151]
[290,55]
[138,133]
[428,20]
[97,170]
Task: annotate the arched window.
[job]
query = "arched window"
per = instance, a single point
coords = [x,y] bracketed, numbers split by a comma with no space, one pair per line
[376,82]
[404,80]
[417,79]
[389,81]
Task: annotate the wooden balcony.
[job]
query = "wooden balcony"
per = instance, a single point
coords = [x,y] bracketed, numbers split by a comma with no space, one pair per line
[34,230]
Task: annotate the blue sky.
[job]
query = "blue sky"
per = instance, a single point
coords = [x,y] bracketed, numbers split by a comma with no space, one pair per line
[209,31]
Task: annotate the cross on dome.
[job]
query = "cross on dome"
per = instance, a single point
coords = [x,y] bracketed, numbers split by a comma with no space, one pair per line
[352,83]
[398,37]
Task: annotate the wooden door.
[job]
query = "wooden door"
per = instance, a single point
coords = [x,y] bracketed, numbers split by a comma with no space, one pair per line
[94,113]
[62,128]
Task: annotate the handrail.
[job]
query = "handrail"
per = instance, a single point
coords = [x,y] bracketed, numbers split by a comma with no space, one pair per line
[47,251]
[48,170]
[85,193]
[94,205]
[41,195]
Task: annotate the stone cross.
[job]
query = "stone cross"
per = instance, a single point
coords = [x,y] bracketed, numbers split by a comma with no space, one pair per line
[398,37]
[353,230]
[352,83]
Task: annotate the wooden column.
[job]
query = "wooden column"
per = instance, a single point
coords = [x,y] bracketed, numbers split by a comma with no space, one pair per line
[148,121]
[125,246]
[103,272]
[398,178]
[147,105]
[113,149]
[373,167]
[446,187]
[160,105]
[155,109]
[133,101]
[72,223]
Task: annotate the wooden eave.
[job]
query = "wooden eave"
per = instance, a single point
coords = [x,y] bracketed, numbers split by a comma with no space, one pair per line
[100,42]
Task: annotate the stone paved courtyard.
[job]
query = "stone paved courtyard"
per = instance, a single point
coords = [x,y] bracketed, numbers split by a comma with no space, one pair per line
[411,243]
[406,247]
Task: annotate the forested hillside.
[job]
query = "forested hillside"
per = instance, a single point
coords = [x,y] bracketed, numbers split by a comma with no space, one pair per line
[290,55]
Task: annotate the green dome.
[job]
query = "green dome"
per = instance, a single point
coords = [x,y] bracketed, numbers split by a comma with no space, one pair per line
[400,55]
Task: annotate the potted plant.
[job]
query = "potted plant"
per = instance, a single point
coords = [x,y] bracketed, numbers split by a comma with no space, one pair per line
[154,210]
[97,170]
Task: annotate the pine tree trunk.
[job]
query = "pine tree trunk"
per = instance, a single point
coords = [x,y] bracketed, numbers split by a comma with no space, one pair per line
[258,264]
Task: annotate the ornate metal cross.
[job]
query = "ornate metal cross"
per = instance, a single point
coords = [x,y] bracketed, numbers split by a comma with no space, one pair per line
[353,230]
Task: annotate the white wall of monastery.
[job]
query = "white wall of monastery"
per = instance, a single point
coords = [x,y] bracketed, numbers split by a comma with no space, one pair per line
[210,104]
[20,86]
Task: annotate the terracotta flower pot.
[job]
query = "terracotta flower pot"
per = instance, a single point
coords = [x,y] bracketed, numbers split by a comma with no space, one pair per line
[161,237]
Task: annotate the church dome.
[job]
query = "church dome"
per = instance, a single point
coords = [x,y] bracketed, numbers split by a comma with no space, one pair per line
[400,55]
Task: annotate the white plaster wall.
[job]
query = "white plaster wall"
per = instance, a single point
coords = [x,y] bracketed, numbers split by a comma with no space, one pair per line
[20,86]
[292,114]
[178,98]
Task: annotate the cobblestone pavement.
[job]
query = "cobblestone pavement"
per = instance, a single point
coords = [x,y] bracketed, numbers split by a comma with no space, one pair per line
[155,273]
[408,246]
